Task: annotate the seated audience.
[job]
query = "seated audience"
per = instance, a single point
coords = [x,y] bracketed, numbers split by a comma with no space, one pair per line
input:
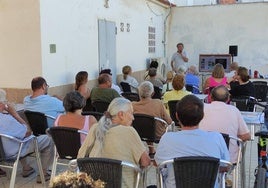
[73,103]
[40,101]
[152,107]
[114,137]
[104,92]
[81,80]
[127,71]
[178,91]
[190,141]
[224,118]
[69,179]
[13,125]
[114,86]
[168,85]
[153,79]
[241,85]
[217,78]
[154,64]
[192,78]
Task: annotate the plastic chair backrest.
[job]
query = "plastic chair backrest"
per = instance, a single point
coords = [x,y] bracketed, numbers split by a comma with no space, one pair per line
[192,89]
[107,170]
[67,141]
[125,87]
[172,110]
[226,138]
[157,93]
[37,121]
[145,126]
[131,96]
[97,115]
[88,106]
[100,106]
[192,172]
[242,103]
[261,90]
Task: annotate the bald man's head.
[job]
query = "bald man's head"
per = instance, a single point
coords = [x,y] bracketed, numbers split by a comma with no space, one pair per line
[220,93]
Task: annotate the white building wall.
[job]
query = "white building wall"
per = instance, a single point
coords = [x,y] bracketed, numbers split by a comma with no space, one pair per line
[73,27]
[212,29]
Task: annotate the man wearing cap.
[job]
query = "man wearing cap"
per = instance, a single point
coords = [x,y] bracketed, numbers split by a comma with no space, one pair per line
[13,125]
[114,86]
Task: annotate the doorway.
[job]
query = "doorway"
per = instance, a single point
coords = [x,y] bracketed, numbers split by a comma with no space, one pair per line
[107,46]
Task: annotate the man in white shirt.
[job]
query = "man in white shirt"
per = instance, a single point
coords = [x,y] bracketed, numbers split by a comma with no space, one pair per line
[179,59]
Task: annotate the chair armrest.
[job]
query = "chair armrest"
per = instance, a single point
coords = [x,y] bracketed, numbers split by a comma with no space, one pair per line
[82,132]
[131,165]
[197,88]
[237,139]
[162,164]
[225,166]
[163,121]
[17,139]
[240,145]
[50,117]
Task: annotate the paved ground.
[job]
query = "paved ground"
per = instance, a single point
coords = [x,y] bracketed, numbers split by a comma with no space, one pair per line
[250,165]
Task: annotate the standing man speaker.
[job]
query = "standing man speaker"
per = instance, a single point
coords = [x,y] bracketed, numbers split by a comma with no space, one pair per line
[179,59]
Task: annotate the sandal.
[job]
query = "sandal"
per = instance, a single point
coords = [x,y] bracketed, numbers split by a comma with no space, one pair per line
[47,177]
[27,173]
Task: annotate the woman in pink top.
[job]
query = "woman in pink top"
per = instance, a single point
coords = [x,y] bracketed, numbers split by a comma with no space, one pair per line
[217,78]
[73,103]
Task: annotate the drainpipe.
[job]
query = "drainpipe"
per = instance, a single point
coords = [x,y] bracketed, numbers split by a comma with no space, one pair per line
[165,30]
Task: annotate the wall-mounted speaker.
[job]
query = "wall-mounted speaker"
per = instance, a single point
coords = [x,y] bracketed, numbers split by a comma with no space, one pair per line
[233,50]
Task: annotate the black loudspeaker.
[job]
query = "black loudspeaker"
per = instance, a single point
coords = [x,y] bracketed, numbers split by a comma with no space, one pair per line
[233,50]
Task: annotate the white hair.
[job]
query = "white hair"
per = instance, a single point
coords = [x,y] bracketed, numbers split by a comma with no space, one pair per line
[105,123]
[146,89]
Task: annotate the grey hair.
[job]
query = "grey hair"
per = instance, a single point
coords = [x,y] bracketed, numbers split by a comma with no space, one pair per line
[73,101]
[146,89]
[105,123]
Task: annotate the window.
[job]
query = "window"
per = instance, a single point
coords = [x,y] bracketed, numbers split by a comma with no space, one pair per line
[151,39]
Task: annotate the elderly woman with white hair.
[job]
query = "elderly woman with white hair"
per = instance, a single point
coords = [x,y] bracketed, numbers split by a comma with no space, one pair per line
[114,137]
[152,107]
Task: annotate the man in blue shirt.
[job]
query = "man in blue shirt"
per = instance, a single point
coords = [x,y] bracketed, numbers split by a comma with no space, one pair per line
[190,141]
[40,101]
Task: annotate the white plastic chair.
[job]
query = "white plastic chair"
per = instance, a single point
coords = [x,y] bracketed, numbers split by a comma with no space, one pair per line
[12,163]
